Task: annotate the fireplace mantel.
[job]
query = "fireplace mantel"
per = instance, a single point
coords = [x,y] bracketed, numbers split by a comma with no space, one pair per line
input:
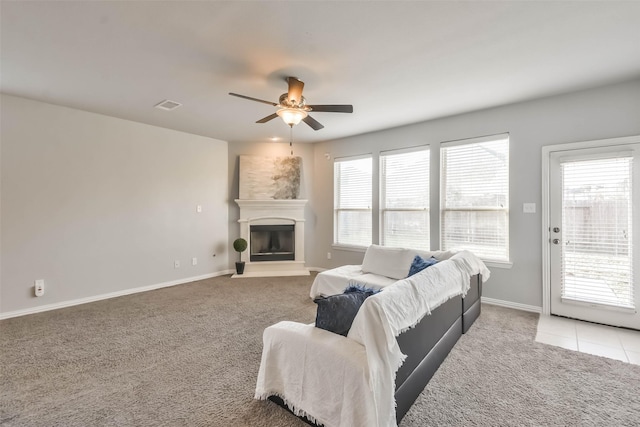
[273,212]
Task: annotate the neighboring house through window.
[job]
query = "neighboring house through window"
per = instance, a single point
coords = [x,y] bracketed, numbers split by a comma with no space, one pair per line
[352,201]
[474,193]
[404,198]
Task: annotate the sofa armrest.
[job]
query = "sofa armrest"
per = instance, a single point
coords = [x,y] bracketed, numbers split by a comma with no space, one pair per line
[317,373]
[334,281]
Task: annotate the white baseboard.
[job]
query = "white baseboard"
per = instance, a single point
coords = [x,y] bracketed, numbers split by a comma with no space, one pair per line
[79,301]
[55,306]
[509,304]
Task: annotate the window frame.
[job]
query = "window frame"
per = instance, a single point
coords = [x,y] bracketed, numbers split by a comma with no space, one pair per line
[336,210]
[383,193]
[498,262]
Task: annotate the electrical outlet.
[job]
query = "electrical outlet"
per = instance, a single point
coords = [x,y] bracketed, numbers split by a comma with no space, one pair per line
[194,261]
[176,264]
[39,287]
[328,255]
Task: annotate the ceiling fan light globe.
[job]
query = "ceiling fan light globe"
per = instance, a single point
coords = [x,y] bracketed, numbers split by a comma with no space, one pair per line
[291,116]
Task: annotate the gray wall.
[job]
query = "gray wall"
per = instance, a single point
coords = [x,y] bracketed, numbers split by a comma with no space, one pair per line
[97,205]
[605,112]
[271,149]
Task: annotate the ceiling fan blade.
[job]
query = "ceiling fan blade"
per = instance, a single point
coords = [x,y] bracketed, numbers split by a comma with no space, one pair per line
[295,90]
[253,99]
[315,125]
[266,119]
[332,108]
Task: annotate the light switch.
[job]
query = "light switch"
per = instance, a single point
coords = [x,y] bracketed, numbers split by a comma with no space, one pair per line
[199,208]
[529,208]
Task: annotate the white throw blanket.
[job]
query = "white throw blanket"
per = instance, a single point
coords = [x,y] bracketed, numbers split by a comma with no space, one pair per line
[398,308]
[318,374]
[350,381]
[336,280]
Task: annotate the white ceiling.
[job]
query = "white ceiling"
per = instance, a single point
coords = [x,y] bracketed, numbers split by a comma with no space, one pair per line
[397,62]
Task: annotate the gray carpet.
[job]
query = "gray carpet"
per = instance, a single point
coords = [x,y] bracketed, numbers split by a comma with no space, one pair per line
[189,356]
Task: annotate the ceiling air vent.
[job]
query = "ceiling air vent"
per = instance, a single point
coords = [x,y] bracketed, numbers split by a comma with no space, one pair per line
[168,105]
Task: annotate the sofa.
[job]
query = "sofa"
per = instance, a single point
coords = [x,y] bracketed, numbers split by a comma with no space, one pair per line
[396,342]
[381,267]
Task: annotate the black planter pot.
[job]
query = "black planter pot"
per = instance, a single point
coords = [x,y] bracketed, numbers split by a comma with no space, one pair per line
[240,267]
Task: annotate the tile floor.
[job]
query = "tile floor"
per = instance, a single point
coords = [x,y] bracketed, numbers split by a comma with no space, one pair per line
[606,341]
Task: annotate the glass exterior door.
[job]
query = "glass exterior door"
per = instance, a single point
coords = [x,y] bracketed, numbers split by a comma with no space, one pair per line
[592,239]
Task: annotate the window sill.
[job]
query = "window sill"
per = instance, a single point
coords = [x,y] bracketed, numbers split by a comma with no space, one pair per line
[499,264]
[362,249]
[350,248]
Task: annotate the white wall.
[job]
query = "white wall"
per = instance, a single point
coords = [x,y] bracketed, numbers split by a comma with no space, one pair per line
[270,149]
[605,112]
[97,205]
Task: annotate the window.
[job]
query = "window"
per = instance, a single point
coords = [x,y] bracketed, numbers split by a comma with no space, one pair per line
[352,201]
[475,196]
[597,260]
[404,198]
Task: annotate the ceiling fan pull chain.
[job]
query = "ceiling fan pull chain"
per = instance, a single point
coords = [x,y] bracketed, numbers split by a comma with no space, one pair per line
[291,140]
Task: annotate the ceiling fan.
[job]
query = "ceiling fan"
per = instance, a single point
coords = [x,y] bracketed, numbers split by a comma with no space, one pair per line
[293,108]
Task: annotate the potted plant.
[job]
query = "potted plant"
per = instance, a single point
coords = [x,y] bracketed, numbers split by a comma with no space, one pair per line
[240,245]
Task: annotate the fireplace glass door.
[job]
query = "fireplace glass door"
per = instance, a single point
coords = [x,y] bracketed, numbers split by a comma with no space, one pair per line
[272,243]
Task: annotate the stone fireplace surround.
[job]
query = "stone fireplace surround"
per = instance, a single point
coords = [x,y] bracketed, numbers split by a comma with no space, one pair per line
[273,212]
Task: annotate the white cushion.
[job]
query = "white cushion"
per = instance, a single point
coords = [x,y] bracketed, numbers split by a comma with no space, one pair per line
[389,262]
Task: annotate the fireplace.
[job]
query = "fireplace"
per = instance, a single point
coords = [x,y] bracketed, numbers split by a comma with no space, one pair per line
[274,230]
[272,243]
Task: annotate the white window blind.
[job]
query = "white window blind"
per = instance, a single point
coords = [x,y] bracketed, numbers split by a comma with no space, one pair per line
[475,196]
[352,201]
[404,199]
[596,232]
